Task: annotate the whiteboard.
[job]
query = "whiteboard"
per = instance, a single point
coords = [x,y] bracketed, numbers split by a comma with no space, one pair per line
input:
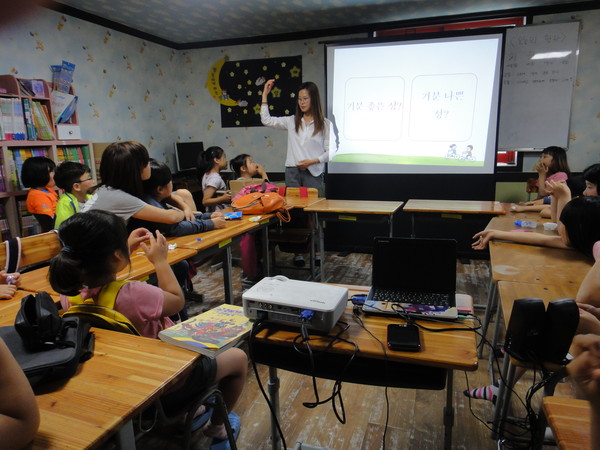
[540,65]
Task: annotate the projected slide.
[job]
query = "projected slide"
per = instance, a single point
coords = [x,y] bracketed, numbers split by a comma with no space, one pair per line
[415,106]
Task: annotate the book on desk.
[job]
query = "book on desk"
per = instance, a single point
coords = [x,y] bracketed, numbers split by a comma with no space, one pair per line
[211,332]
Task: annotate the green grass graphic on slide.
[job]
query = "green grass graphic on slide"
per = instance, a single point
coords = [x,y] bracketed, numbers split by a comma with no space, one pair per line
[409,160]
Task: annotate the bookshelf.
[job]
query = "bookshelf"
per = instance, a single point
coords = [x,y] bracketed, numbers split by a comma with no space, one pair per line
[26,112]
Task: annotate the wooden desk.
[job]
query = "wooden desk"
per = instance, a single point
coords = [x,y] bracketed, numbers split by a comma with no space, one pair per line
[509,292]
[350,211]
[507,223]
[125,375]
[432,368]
[569,419]
[301,202]
[450,207]
[37,280]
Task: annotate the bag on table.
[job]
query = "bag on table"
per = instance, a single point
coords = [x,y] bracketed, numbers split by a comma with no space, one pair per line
[265,186]
[46,346]
[262,203]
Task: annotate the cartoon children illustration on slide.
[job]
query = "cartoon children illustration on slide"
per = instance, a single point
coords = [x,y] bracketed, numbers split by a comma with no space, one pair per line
[468,153]
[451,151]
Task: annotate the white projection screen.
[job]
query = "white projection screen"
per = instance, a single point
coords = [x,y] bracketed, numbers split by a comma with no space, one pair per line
[414,106]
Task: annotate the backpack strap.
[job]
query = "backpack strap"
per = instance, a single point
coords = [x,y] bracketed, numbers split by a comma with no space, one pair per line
[13,254]
[106,297]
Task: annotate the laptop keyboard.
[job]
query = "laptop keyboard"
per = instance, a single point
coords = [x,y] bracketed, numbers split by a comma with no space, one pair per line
[419,298]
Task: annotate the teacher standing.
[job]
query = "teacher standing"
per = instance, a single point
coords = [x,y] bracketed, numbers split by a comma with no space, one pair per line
[308,137]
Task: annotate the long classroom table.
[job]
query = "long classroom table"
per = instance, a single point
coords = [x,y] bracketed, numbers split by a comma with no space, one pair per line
[350,211]
[431,368]
[570,422]
[126,374]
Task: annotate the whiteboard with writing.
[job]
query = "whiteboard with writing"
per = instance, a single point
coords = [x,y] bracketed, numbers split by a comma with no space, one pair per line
[540,65]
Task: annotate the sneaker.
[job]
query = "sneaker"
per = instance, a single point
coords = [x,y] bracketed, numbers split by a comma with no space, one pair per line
[299,261]
[223,444]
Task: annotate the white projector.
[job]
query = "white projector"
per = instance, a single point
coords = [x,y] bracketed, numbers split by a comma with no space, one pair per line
[281,300]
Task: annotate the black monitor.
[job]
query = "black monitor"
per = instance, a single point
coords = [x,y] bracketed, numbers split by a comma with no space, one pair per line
[186,155]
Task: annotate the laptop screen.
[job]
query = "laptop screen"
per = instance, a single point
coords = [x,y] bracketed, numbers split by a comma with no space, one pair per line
[415,264]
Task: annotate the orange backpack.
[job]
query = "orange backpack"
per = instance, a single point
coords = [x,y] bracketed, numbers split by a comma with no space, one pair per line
[262,203]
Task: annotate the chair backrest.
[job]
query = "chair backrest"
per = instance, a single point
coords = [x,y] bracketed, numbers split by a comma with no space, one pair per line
[301,192]
[39,248]
[102,317]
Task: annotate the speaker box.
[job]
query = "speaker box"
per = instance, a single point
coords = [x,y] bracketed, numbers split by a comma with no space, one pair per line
[524,331]
[562,318]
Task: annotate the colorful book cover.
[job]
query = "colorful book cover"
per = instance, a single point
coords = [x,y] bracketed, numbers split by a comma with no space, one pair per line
[211,332]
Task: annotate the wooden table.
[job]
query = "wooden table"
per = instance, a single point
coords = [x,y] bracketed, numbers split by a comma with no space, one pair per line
[569,419]
[432,368]
[509,292]
[350,211]
[450,208]
[125,375]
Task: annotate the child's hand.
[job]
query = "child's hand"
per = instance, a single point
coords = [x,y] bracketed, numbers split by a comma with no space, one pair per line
[219,222]
[541,168]
[136,237]
[216,214]
[7,291]
[158,248]
[589,322]
[481,239]
[188,213]
[226,197]
[558,189]
[261,171]
[10,278]
[585,368]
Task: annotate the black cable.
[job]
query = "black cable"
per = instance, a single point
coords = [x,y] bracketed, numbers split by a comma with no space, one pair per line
[256,326]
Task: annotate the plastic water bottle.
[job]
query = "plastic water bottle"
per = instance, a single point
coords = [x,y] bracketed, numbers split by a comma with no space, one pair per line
[10,279]
[526,223]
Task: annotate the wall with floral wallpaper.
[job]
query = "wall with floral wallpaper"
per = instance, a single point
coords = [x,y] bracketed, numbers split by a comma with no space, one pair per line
[129,88]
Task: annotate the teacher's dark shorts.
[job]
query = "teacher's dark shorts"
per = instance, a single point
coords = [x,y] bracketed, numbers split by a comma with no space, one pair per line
[201,377]
[295,177]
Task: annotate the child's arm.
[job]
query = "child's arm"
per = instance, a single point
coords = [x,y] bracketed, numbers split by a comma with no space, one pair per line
[179,202]
[589,290]
[154,214]
[561,195]
[483,237]
[261,172]
[209,200]
[19,413]
[157,255]
[542,171]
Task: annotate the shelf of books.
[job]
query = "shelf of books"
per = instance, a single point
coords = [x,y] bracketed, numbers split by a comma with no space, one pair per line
[29,127]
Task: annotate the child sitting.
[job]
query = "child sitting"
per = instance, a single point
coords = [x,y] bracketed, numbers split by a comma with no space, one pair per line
[37,174]
[75,180]
[210,163]
[95,247]
[158,191]
[244,168]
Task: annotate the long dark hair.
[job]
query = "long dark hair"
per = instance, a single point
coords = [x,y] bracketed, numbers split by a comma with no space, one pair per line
[160,176]
[581,218]
[206,160]
[315,108]
[121,166]
[237,163]
[88,241]
[559,160]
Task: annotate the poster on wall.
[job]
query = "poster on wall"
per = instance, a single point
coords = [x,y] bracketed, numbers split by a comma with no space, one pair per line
[238,85]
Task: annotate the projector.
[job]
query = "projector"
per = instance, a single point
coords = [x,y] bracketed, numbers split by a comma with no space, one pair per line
[282,300]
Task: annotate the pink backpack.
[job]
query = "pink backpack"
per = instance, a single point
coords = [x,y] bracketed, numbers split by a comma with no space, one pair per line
[251,188]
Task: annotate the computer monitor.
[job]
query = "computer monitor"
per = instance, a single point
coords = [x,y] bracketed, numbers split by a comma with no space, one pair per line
[186,155]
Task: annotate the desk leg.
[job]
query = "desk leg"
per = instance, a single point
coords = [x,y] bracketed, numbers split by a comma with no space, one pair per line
[392,225]
[274,397]
[503,400]
[321,232]
[449,411]
[412,225]
[227,283]
[313,243]
[265,251]
[126,436]
[490,308]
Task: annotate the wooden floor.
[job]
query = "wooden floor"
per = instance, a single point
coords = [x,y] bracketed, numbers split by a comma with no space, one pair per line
[415,420]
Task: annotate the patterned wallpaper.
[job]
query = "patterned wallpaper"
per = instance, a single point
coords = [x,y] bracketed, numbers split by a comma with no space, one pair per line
[132,89]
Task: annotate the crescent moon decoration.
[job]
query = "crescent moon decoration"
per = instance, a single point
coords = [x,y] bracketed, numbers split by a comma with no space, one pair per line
[213,86]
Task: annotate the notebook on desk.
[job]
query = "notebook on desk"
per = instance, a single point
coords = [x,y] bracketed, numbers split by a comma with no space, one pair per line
[414,276]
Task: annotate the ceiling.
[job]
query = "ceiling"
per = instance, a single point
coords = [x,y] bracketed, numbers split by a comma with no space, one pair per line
[204,23]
